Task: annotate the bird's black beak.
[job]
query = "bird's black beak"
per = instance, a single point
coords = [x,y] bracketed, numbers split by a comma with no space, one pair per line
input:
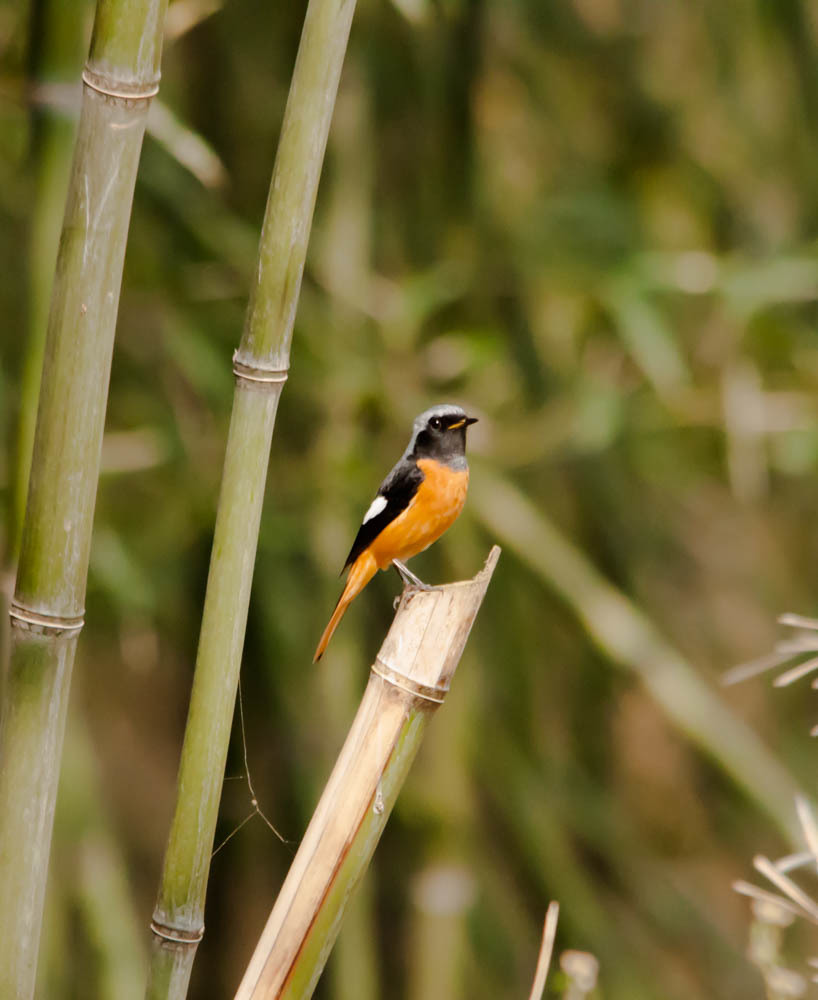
[471,420]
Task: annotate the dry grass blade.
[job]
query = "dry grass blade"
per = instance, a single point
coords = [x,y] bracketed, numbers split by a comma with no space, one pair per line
[546,950]
[787,886]
[804,643]
[796,673]
[798,621]
[791,862]
[808,824]
[748,889]
[752,668]
[786,649]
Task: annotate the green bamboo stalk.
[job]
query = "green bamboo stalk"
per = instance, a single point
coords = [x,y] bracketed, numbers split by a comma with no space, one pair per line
[260,365]
[47,610]
[631,640]
[56,43]
[409,679]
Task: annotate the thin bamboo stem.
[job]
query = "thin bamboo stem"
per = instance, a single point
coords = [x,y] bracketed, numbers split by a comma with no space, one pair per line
[260,365]
[48,604]
[409,679]
[288,216]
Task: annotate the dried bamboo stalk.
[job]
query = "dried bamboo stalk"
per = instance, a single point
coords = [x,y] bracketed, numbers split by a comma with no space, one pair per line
[120,77]
[409,679]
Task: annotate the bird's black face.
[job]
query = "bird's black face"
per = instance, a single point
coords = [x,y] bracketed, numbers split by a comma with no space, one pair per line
[440,425]
[443,434]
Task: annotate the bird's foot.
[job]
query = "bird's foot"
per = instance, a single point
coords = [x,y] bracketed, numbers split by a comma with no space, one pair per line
[409,578]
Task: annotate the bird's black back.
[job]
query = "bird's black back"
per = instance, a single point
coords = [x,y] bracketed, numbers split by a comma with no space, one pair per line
[397,489]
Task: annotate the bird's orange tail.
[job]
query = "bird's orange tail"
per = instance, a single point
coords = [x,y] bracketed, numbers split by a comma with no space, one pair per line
[362,571]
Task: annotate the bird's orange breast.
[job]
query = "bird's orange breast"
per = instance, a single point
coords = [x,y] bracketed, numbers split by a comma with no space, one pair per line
[432,510]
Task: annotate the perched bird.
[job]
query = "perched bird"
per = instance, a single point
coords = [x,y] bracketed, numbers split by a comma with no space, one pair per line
[419,499]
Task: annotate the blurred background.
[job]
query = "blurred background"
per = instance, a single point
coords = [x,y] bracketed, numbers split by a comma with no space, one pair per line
[592,224]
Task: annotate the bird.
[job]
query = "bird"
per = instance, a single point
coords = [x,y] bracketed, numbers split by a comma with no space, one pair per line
[420,499]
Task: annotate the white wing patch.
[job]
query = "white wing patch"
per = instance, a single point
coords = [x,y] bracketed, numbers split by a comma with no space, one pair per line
[377,505]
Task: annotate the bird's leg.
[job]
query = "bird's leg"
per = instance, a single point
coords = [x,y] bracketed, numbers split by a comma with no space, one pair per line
[408,577]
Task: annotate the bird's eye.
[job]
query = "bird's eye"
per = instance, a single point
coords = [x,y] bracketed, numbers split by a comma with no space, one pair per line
[435,423]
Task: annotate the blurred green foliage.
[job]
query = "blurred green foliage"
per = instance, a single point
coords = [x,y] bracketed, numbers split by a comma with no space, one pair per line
[592,223]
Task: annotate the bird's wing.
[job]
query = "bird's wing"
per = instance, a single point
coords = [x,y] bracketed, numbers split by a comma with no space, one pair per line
[394,496]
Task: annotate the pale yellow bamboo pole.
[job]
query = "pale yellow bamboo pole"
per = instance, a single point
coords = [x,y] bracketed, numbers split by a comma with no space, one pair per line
[409,679]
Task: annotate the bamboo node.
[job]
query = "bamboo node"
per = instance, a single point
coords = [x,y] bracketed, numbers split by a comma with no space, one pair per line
[37,621]
[257,374]
[177,935]
[436,695]
[124,91]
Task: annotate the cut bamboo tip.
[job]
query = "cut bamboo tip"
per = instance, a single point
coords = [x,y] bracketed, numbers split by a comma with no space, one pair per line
[409,679]
[425,642]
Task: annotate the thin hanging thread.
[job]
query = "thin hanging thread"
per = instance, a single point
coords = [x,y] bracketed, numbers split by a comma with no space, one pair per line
[256,810]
